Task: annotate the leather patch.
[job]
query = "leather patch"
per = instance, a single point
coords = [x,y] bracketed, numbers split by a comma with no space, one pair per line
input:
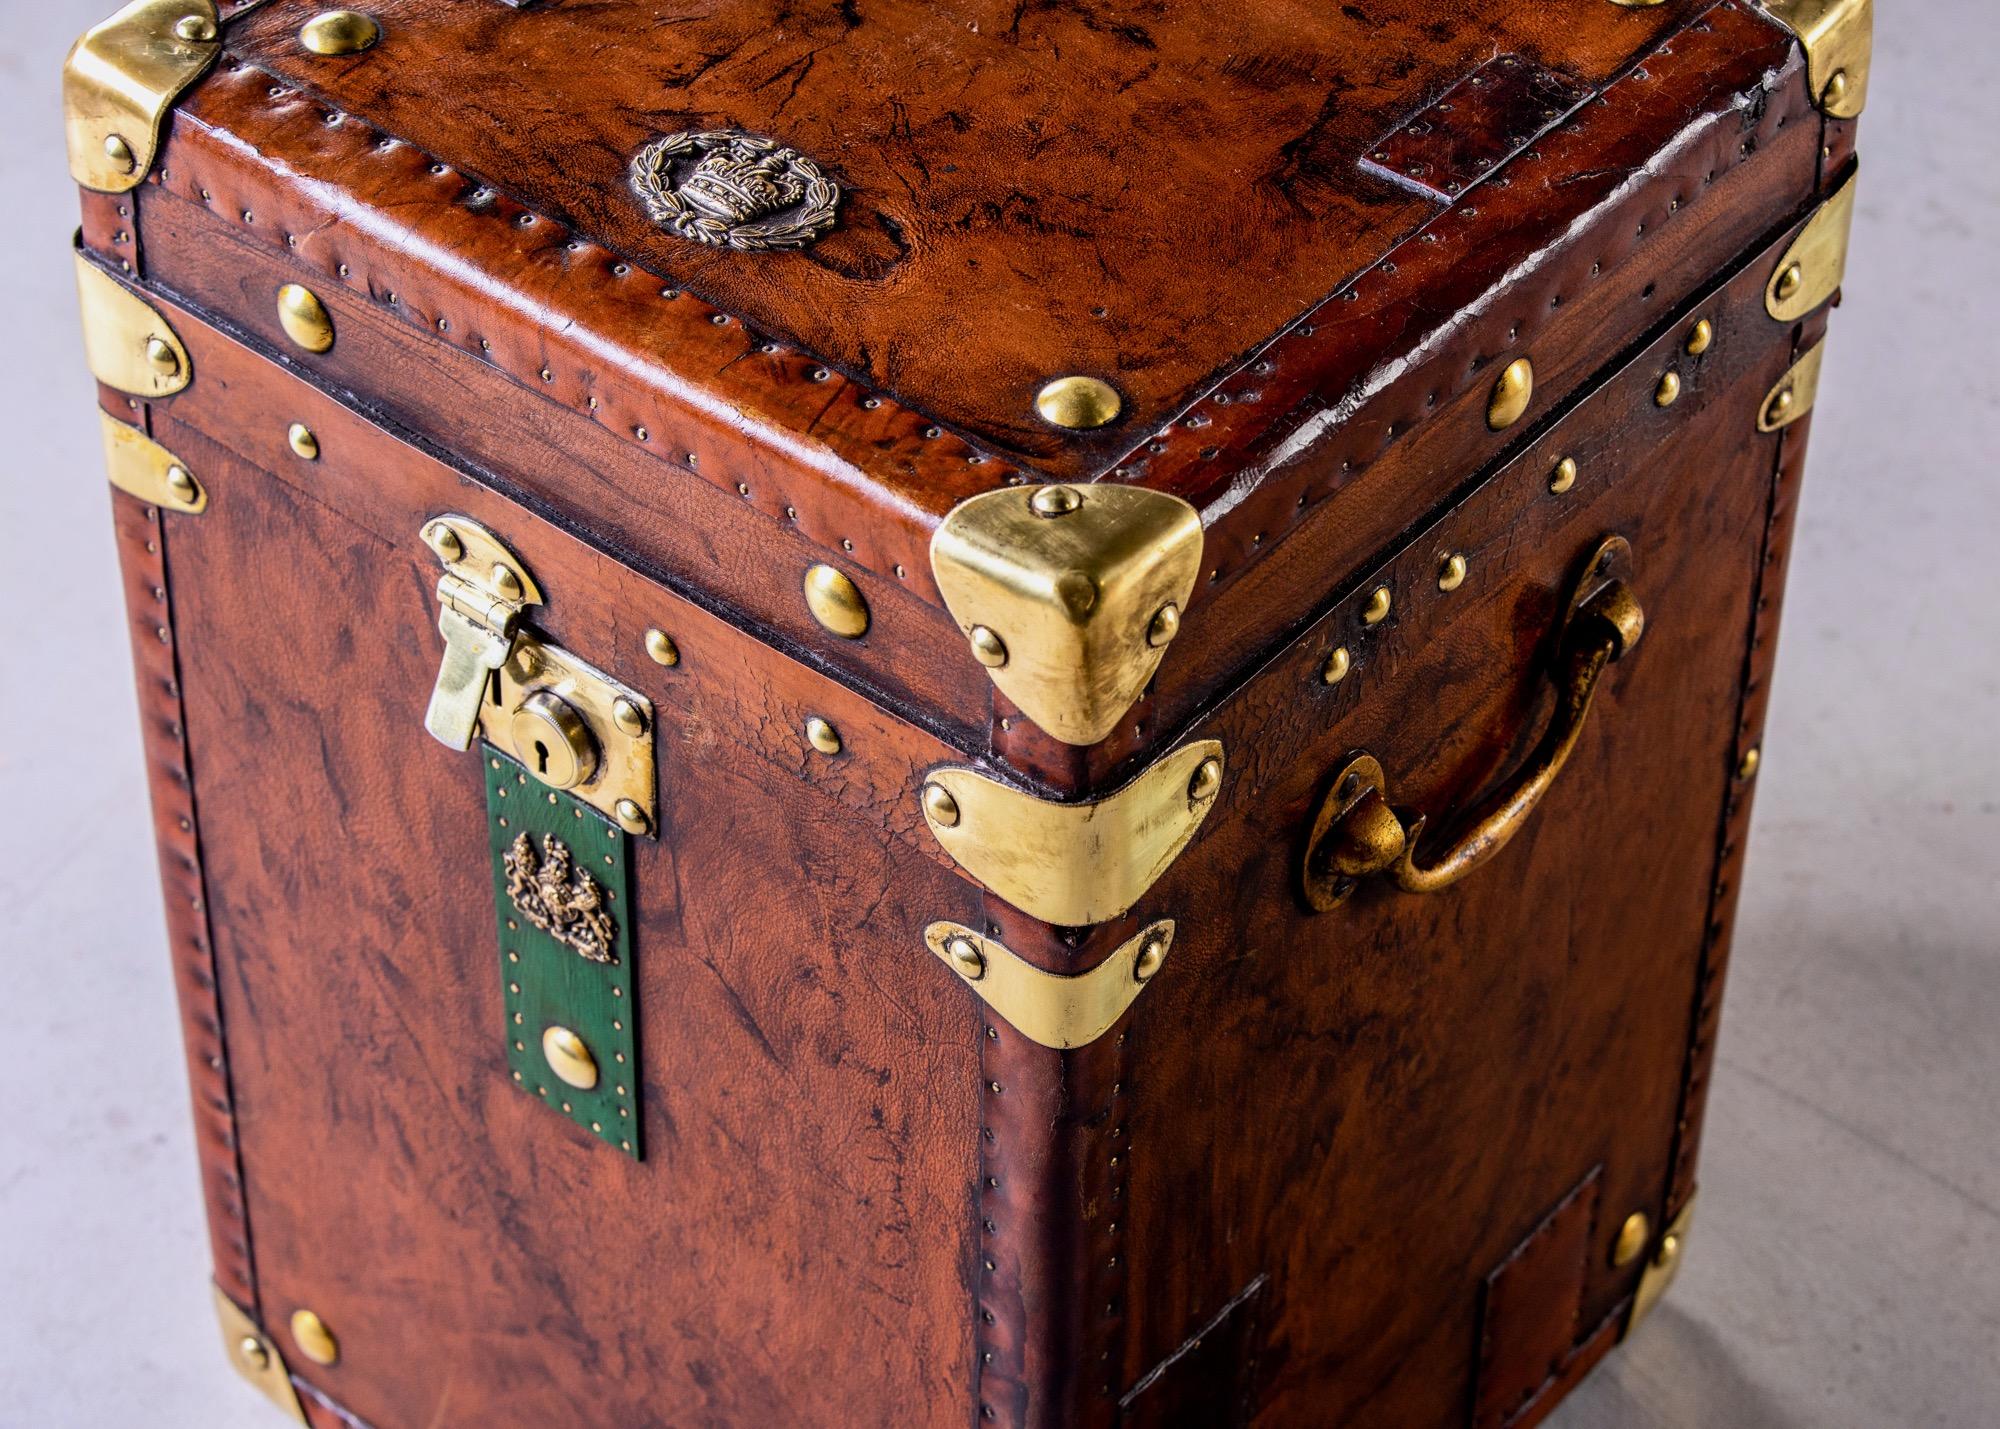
[1529,1325]
[1475,126]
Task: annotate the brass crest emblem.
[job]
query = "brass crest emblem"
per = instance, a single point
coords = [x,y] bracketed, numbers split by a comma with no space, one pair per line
[734,190]
[564,901]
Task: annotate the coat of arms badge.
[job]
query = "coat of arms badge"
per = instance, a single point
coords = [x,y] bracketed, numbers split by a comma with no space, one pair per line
[734,190]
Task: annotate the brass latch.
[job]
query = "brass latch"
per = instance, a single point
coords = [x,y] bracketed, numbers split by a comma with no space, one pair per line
[569,725]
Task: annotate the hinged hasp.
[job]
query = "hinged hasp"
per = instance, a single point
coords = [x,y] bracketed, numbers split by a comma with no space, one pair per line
[120,80]
[1050,1008]
[1069,595]
[568,724]
[1838,37]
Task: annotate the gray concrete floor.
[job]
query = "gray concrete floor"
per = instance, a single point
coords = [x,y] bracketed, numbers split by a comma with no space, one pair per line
[1846,1266]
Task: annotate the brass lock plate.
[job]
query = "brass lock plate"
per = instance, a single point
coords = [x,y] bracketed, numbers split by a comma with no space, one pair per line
[562,889]
[615,756]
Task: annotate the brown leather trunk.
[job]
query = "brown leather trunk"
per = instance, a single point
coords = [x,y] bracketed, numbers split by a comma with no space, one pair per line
[1177,897]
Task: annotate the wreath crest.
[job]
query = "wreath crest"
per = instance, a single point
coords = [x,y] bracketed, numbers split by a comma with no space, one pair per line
[729,189]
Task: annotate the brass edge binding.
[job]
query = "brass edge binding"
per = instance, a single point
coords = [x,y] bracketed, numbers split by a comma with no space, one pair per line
[1074,865]
[1810,270]
[1793,395]
[126,344]
[120,80]
[1069,595]
[1838,37]
[143,468]
[1049,1008]
[1661,1268]
[255,1356]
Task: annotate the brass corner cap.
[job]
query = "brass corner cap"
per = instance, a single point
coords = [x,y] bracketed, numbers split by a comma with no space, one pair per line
[1056,1010]
[1661,1267]
[255,1355]
[1838,37]
[120,80]
[1069,595]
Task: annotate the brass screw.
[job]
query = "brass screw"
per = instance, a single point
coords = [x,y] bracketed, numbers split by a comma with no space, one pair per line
[1780,404]
[1669,390]
[1078,403]
[836,602]
[181,484]
[1206,780]
[304,443]
[314,1339]
[628,717]
[1336,667]
[1511,394]
[1835,91]
[1700,338]
[1055,500]
[661,647]
[1451,575]
[631,817]
[822,736]
[1563,477]
[1377,609]
[987,647]
[195,29]
[1166,624]
[939,807]
[339,32]
[161,357]
[1670,1250]
[254,1352]
[120,153]
[444,542]
[1152,952]
[1789,281]
[966,957]
[1632,1237]
[1747,765]
[507,582]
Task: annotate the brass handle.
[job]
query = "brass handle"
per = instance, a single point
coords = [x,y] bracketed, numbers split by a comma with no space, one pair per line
[1356,833]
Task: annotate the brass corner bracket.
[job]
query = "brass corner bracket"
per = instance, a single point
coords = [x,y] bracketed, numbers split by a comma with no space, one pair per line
[1661,1268]
[143,468]
[1074,865]
[255,1356]
[127,345]
[120,80]
[1811,268]
[1794,393]
[1838,37]
[1050,1008]
[1069,595]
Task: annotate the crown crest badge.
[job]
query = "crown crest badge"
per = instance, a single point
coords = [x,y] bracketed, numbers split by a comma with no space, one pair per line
[729,189]
[563,900]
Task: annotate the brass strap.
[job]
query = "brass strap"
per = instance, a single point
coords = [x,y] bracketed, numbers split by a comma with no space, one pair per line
[141,466]
[127,344]
[1794,394]
[1810,270]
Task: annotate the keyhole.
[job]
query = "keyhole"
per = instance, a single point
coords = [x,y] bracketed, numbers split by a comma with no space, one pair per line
[541,758]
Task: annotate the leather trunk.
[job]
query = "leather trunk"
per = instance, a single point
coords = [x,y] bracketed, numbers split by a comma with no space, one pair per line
[1128,644]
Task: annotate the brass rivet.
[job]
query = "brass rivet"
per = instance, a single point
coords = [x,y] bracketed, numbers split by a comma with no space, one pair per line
[1563,477]
[444,542]
[1700,338]
[1747,765]
[836,602]
[1835,91]
[1511,394]
[1377,609]
[339,32]
[1078,402]
[1055,500]
[1206,780]
[1336,667]
[181,484]
[987,648]
[631,817]
[1780,403]
[1451,575]
[1632,1237]
[314,1339]
[506,581]
[1166,624]
[303,441]
[1669,390]
[569,1058]
[966,957]
[1789,281]
[939,807]
[1670,1250]
[161,357]
[661,647]
[1152,953]
[304,318]
[822,736]
[120,153]
[254,1352]
[628,717]
[195,29]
